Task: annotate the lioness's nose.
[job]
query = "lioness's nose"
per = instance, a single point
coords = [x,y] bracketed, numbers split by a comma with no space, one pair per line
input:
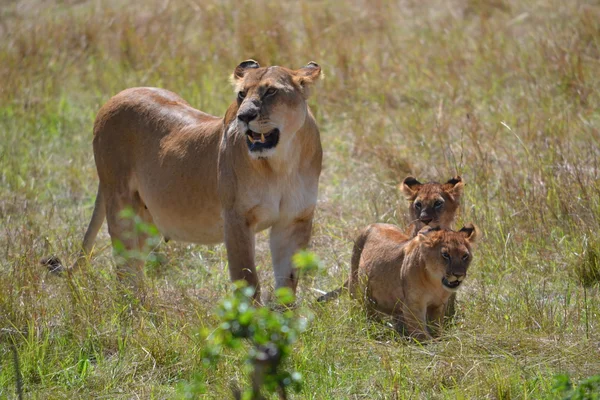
[459,275]
[247,116]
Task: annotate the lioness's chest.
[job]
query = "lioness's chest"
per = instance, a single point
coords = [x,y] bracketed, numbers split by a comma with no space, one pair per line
[280,202]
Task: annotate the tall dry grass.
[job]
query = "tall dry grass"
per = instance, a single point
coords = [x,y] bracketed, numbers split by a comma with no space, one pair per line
[502,92]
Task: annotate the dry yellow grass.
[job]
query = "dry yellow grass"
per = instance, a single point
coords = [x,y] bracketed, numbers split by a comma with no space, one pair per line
[502,92]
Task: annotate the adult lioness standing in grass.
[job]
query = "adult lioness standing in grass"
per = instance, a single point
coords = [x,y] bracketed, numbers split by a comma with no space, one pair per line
[205,179]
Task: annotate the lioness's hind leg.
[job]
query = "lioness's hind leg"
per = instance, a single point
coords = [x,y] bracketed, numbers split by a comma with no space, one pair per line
[129,242]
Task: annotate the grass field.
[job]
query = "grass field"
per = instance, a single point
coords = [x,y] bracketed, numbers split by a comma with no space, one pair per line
[502,92]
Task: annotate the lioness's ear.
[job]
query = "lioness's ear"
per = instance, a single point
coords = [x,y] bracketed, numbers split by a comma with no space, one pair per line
[241,69]
[307,74]
[454,187]
[410,187]
[470,232]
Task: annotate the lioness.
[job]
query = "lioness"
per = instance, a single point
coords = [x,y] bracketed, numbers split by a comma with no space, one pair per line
[206,179]
[431,204]
[411,280]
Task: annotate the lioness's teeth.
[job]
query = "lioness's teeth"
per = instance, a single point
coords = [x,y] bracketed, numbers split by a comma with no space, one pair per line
[262,137]
[251,139]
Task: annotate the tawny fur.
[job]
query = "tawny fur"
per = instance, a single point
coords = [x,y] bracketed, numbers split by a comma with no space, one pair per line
[194,176]
[403,278]
[428,213]
[431,204]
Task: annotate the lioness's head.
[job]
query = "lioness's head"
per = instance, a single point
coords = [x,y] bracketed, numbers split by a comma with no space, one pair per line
[448,253]
[433,204]
[272,103]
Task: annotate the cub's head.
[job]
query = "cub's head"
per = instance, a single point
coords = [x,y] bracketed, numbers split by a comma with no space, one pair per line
[271,104]
[448,253]
[432,204]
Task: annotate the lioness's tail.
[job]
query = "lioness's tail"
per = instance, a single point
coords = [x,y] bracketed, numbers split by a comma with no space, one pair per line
[350,283]
[98,216]
[334,294]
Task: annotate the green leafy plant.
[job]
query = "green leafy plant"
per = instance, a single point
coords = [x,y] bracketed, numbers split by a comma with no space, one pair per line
[270,334]
[139,229]
[307,263]
[587,389]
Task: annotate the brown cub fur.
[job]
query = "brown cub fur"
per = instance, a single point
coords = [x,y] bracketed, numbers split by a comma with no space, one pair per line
[411,280]
[431,204]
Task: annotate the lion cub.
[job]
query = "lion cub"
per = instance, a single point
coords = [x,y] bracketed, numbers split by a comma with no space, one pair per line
[411,280]
[431,204]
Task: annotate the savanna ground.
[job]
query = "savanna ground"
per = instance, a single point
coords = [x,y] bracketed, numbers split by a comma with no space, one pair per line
[502,92]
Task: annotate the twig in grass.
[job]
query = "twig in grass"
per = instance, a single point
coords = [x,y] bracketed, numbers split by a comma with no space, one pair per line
[587,324]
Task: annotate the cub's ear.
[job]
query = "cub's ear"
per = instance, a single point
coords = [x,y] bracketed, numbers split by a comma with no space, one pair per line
[242,69]
[470,232]
[410,187]
[307,74]
[454,187]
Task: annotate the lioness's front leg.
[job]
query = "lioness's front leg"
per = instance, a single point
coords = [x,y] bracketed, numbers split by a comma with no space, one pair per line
[239,242]
[285,240]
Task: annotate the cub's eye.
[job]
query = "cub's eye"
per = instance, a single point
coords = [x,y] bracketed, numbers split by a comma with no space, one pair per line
[270,92]
[465,257]
[438,204]
[241,95]
[418,205]
[445,255]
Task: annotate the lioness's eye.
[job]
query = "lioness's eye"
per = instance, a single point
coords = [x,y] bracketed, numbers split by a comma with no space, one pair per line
[270,92]
[465,257]
[241,95]
[418,205]
[446,255]
[438,204]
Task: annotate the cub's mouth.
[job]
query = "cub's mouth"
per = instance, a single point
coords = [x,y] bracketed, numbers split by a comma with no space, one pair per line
[451,285]
[430,222]
[262,141]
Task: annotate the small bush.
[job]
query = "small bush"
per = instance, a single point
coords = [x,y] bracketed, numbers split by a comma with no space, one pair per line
[270,334]
[587,389]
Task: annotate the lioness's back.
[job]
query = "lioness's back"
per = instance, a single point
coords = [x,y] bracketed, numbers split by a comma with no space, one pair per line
[148,107]
[142,141]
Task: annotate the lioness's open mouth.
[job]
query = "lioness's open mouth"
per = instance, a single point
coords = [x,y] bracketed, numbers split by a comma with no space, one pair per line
[262,141]
[451,285]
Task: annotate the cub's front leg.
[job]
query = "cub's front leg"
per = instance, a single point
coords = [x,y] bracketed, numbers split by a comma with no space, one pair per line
[414,318]
[287,238]
[240,242]
[435,317]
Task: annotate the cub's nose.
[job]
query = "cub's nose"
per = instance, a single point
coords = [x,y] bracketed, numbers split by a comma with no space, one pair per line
[426,220]
[247,116]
